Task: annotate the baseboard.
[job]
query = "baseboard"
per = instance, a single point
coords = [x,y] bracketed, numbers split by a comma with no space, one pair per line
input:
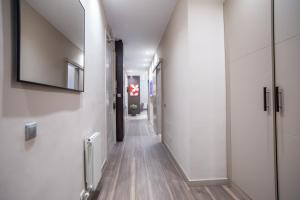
[208,182]
[175,163]
[193,183]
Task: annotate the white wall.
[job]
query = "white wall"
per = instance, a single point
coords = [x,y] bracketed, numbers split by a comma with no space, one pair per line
[207,89]
[174,51]
[51,166]
[194,88]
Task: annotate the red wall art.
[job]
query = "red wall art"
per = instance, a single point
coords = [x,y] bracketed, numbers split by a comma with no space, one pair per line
[134,90]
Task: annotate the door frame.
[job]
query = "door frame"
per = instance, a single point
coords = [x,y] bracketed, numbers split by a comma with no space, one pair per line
[273,47]
[162,107]
[228,111]
[109,44]
[120,129]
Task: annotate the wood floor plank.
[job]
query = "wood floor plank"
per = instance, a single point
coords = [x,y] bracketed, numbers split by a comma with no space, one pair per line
[220,193]
[109,174]
[142,182]
[158,182]
[230,192]
[123,187]
[200,193]
[235,193]
[141,169]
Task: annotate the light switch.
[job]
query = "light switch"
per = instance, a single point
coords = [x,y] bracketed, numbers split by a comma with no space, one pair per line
[30,130]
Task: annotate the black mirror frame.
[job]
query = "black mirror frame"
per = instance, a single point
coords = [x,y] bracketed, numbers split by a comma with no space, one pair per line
[16,9]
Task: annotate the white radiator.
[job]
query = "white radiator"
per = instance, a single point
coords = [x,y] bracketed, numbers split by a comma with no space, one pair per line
[95,157]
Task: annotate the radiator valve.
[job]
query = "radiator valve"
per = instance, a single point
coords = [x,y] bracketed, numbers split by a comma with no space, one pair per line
[84,195]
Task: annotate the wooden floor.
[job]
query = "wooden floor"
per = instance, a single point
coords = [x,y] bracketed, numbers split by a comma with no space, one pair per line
[141,169]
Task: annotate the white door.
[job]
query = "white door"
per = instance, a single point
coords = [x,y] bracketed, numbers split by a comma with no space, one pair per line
[249,62]
[159,100]
[110,96]
[153,104]
[287,40]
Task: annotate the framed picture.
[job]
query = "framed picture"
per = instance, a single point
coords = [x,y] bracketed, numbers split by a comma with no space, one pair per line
[134,90]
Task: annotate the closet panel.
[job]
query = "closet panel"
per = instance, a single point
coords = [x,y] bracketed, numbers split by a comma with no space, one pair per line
[251,127]
[248,23]
[287,16]
[249,61]
[287,62]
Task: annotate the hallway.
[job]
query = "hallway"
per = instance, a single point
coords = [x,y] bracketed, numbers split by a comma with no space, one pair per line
[149,99]
[141,169]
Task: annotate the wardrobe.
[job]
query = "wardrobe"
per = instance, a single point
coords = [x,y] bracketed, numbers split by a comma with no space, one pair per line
[263,78]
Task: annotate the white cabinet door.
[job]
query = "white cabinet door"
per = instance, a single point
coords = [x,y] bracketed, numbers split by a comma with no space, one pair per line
[252,133]
[287,38]
[249,62]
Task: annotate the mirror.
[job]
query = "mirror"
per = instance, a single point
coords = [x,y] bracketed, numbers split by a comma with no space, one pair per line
[51,43]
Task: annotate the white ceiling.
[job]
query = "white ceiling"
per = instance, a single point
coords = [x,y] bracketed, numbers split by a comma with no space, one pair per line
[140,24]
[67,16]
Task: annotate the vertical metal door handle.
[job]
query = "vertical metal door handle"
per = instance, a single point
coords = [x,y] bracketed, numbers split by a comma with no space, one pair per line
[266,99]
[278,99]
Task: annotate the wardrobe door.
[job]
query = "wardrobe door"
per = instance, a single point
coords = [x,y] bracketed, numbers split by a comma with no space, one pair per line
[287,62]
[249,62]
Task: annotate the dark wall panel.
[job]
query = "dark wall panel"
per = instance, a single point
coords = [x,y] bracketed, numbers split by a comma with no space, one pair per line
[119,101]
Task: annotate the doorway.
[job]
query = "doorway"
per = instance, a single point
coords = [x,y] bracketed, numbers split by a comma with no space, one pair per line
[158,101]
[155,101]
[136,100]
